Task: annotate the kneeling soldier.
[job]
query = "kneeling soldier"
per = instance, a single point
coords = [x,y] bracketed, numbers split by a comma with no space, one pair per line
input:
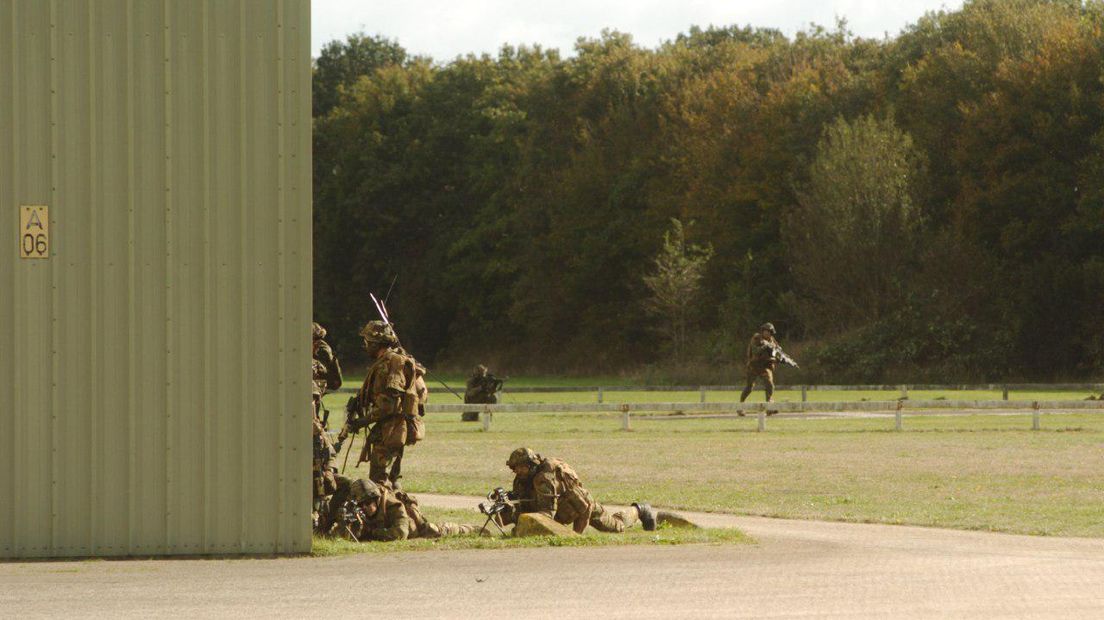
[371,511]
[551,487]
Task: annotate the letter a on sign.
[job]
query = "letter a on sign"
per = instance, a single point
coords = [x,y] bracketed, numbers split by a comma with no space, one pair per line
[34,231]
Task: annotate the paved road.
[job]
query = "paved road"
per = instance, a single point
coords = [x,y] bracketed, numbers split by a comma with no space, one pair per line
[797,569]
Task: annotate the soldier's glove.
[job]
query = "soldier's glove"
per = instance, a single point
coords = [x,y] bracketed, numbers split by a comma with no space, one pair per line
[337,447]
[357,424]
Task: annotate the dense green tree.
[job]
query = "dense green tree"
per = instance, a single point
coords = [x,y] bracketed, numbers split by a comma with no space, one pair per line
[341,63]
[853,237]
[926,206]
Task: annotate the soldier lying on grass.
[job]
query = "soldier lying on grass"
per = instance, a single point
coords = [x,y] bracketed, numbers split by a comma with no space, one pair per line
[363,510]
[551,487]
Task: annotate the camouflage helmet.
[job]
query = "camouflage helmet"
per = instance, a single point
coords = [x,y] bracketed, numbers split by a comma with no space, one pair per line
[480,370]
[767,327]
[317,331]
[362,491]
[379,331]
[522,456]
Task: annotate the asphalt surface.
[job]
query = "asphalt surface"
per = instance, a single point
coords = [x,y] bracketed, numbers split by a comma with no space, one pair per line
[796,569]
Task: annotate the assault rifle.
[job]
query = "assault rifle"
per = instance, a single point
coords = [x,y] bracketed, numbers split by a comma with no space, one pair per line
[501,501]
[777,354]
[351,518]
[495,382]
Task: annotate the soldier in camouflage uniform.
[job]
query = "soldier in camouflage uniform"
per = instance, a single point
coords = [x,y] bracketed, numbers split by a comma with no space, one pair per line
[384,514]
[326,375]
[391,401]
[482,388]
[551,487]
[761,363]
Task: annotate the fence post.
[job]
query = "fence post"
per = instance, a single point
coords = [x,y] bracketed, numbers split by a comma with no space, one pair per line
[900,405]
[599,394]
[702,388]
[904,391]
[625,418]
[1006,392]
[487,419]
[804,395]
[1035,417]
[762,422]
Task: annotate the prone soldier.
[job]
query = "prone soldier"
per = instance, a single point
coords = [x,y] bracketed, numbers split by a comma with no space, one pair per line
[370,511]
[551,486]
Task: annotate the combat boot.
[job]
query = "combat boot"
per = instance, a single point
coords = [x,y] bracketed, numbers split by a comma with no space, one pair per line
[647,515]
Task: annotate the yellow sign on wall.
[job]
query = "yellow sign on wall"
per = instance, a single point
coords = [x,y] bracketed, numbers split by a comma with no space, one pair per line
[34,231]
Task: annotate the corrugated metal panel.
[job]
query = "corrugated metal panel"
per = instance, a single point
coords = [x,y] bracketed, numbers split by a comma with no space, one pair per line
[154,372]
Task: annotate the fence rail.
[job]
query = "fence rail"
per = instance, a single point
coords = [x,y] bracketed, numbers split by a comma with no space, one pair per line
[903,389]
[761,409]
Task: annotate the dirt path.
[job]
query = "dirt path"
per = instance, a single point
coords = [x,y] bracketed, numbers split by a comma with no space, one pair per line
[798,568]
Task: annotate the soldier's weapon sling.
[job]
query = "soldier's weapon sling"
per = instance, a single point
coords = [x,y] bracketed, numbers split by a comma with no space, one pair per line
[349,451]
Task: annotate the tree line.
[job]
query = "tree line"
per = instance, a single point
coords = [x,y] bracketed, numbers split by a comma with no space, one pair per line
[923,207]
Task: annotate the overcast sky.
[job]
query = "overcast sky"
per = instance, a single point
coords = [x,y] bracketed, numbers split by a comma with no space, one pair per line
[445,29]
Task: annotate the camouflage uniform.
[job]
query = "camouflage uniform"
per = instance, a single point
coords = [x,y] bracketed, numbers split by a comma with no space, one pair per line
[552,487]
[326,375]
[760,362]
[392,400]
[397,516]
[482,387]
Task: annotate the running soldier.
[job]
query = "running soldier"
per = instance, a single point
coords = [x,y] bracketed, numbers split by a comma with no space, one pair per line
[763,355]
[551,487]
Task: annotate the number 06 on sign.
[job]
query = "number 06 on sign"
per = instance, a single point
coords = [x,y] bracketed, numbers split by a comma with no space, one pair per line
[34,231]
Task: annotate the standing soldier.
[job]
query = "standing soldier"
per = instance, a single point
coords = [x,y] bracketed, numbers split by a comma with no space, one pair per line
[551,487]
[326,375]
[763,355]
[392,400]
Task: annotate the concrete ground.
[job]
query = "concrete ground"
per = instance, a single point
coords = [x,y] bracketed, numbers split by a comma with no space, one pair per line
[797,569]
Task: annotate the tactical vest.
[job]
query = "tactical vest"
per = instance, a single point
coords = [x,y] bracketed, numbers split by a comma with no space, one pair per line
[405,427]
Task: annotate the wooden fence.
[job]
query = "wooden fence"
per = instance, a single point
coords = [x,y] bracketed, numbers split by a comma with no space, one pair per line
[788,409]
[600,392]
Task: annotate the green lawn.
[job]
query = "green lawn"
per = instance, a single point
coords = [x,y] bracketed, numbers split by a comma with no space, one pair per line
[984,472]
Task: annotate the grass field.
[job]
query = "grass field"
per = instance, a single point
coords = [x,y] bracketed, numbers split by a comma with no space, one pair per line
[324,547]
[983,472]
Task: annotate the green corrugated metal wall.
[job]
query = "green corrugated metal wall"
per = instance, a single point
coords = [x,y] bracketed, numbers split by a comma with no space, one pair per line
[154,371]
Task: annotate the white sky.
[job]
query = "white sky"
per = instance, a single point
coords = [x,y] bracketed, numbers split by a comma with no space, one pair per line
[445,29]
